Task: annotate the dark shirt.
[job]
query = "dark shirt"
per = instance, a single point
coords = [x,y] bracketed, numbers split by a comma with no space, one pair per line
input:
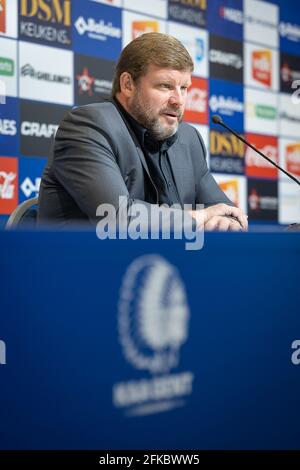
[156,155]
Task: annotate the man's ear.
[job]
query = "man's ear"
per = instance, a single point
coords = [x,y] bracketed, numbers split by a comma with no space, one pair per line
[126,84]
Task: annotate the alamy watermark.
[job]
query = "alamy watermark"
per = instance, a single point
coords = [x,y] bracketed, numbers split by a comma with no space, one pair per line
[295,358]
[2,353]
[296,94]
[139,220]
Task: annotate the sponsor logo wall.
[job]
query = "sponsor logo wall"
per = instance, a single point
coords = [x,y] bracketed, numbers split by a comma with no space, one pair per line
[56,54]
[47,23]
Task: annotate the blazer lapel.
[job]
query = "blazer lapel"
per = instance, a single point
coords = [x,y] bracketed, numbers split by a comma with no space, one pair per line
[182,168]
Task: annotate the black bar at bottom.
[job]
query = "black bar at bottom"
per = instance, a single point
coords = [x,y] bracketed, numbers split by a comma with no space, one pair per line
[137,459]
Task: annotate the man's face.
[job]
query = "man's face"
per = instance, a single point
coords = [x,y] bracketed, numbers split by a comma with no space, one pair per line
[158,100]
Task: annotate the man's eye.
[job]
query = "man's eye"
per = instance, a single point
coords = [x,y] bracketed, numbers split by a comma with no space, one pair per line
[165,85]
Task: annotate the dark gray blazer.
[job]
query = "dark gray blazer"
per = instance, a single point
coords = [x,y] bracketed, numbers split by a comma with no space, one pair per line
[96,158]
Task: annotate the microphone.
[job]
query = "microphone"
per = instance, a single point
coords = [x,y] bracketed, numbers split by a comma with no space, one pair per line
[218,120]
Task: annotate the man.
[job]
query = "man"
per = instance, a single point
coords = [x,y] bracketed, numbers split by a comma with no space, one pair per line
[136,146]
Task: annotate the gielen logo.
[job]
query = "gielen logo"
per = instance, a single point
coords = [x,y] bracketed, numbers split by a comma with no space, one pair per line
[53,11]
[257,166]
[2,16]
[231,189]
[141,27]
[196,108]
[8,184]
[292,158]
[85,82]
[262,67]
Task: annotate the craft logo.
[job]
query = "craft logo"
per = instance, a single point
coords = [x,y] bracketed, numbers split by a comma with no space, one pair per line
[153,319]
[142,27]
[37,129]
[226,153]
[196,102]
[7,67]
[262,67]
[46,20]
[100,30]
[2,16]
[226,59]
[39,123]
[257,166]
[290,31]
[292,158]
[231,189]
[2,353]
[191,12]
[231,14]
[28,71]
[8,184]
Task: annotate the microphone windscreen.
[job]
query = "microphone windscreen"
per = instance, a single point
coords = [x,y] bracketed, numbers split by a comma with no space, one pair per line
[216,119]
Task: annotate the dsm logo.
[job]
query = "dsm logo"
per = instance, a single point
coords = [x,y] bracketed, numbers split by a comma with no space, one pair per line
[153,315]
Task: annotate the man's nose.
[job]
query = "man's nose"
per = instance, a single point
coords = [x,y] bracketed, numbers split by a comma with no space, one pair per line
[176,97]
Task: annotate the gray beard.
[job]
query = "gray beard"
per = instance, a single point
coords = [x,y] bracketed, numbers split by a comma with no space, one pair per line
[143,114]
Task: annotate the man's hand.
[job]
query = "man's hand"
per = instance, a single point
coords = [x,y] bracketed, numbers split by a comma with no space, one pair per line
[221,217]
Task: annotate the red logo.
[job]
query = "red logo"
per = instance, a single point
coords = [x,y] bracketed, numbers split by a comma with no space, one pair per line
[256,165]
[286,73]
[254,200]
[8,184]
[2,16]
[85,82]
[196,109]
[142,27]
[262,67]
[292,158]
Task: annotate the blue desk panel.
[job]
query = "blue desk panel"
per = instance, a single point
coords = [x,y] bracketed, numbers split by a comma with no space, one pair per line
[141,344]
